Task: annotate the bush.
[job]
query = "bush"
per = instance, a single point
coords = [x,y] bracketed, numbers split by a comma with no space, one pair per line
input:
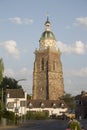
[10,116]
[39,115]
[0,116]
[74,125]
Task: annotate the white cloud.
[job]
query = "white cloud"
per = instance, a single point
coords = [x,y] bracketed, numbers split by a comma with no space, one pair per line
[64,47]
[23,73]
[76,72]
[11,48]
[75,80]
[9,73]
[19,20]
[80,73]
[81,21]
[77,48]
[23,70]
[67,27]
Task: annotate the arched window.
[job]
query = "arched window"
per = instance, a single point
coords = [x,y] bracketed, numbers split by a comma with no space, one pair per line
[53,65]
[42,63]
[47,65]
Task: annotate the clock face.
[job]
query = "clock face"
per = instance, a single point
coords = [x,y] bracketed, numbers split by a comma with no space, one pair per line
[47,43]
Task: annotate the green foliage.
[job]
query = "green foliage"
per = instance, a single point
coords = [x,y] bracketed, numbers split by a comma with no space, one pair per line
[10,116]
[1,114]
[39,115]
[8,83]
[69,100]
[1,70]
[74,125]
[2,106]
[29,96]
[17,119]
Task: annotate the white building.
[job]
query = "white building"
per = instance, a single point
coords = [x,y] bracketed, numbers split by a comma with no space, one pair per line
[16,101]
[54,107]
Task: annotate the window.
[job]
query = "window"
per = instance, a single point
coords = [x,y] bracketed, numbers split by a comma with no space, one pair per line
[10,105]
[22,103]
[54,105]
[42,105]
[42,63]
[47,65]
[77,102]
[30,105]
[53,65]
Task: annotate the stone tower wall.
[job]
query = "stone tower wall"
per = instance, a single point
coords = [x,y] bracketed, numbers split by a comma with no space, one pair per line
[47,75]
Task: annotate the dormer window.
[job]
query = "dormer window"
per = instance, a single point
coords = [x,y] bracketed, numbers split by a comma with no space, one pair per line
[30,105]
[62,105]
[42,105]
[54,105]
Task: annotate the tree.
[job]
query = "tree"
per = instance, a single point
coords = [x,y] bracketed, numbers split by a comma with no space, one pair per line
[29,96]
[9,115]
[69,100]
[1,70]
[8,83]
[1,78]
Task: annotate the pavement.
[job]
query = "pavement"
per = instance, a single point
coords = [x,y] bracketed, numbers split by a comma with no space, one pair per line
[6,127]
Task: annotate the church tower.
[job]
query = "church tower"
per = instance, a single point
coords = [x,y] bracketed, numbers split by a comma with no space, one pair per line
[47,72]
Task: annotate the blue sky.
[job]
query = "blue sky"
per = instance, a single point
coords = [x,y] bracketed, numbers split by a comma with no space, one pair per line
[21,26]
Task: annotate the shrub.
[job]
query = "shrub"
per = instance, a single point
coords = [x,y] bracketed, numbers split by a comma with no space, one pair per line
[37,115]
[10,116]
[74,125]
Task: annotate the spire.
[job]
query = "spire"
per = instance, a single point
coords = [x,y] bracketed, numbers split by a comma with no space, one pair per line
[47,19]
[47,24]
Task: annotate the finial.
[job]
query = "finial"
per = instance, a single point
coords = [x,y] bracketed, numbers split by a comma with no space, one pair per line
[47,15]
[47,18]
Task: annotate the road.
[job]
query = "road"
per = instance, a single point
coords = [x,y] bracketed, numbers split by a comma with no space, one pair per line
[44,125]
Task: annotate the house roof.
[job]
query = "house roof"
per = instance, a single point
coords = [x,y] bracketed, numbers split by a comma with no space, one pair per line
[15,93]
[45,103]
[82,96]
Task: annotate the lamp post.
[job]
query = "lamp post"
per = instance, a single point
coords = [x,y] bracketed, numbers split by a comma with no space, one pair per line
[19,80]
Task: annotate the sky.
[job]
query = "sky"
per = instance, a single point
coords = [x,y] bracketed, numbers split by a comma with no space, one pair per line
[21,26]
